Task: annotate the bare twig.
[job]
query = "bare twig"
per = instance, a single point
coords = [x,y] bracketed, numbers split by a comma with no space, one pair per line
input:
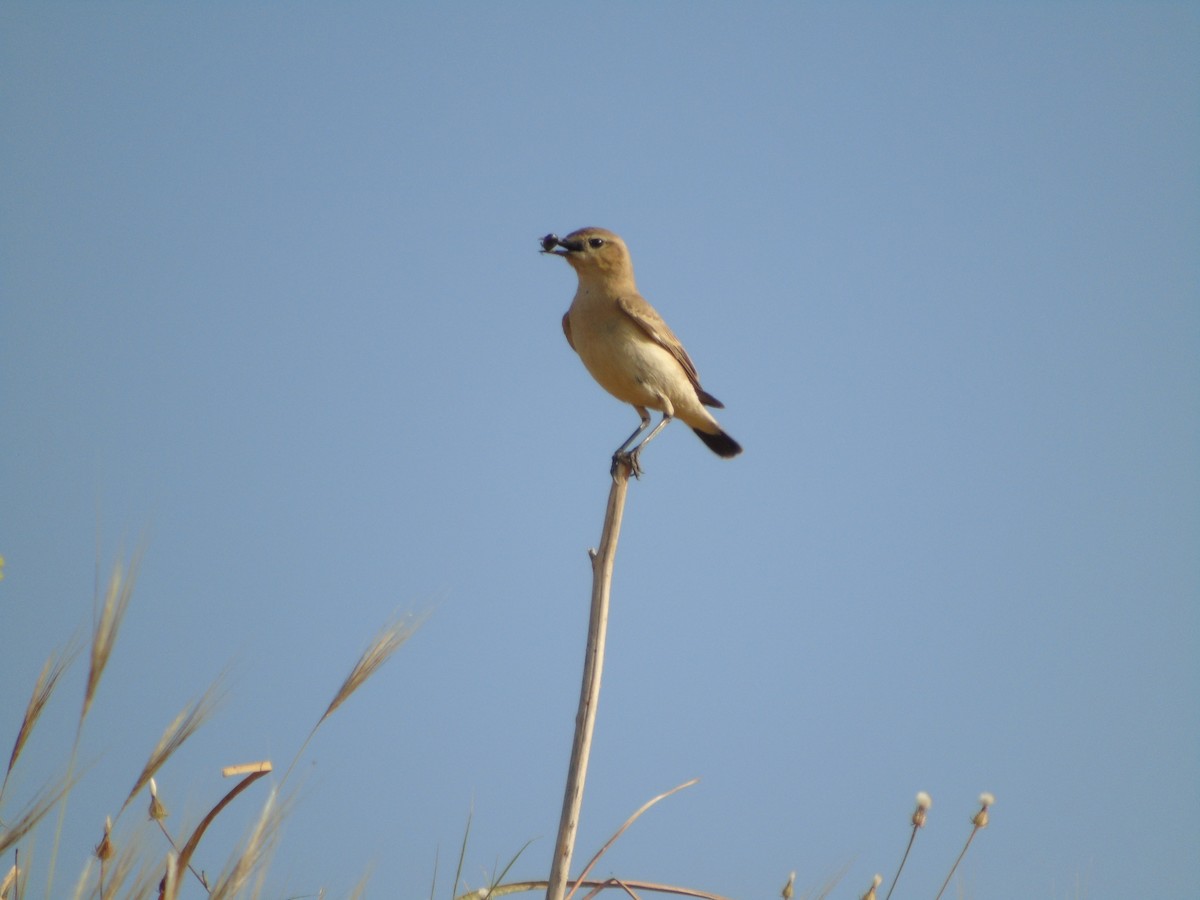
[589,694]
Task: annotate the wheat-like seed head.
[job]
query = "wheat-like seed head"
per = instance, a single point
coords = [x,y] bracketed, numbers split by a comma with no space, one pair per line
[45,801]
[185,725]
[108,623]
[55,665]
[387,642]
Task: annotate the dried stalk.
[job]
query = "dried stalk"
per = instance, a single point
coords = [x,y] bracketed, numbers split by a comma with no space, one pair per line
[589,694]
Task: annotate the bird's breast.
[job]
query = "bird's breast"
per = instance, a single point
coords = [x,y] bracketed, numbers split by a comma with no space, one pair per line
[624,360]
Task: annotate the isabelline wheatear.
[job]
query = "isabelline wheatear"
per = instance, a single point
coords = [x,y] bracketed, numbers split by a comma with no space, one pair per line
[628,348]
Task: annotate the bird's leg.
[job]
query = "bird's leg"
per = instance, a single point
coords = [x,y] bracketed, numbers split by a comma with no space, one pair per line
[642,426]
[620,454]
[635,453]
[631,456]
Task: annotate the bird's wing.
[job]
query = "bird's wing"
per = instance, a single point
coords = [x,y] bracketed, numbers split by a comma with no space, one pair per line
[567,329]
[652,323]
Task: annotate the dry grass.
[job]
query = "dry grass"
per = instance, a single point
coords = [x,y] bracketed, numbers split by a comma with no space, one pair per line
[107,625]
[57,663]
[919,817]
[108,615]
[979,822]
[594,887]
[122,864]
[827,886]
[124,873]
[620,831]
[390,639]
[8,882]
[254,854]
[186,724]
[386,642]
[45,800]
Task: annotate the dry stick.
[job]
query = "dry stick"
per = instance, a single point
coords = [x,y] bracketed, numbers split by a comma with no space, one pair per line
[589,694]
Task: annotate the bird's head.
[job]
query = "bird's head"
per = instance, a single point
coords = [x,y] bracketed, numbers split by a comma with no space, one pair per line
[592,252]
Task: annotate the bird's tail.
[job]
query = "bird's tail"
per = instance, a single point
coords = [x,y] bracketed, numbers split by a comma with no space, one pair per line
[719,443]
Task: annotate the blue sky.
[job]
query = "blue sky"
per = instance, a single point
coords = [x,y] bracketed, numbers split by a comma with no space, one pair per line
[273,308]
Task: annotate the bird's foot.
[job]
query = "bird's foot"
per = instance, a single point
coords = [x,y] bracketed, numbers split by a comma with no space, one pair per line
[628,459]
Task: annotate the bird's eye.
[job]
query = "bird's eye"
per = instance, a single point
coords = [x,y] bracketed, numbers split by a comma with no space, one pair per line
[596,242]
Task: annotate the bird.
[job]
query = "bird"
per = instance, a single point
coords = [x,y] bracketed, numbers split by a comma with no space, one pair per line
[627,347]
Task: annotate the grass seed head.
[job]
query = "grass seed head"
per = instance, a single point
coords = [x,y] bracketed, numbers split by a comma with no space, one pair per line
[46,682]
[387,642]
[158,812]
[924,801]
[104,850]
[108,619]
[981,817]
[186,724]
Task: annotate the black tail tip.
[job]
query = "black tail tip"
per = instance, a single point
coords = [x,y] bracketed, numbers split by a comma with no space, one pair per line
[720,443]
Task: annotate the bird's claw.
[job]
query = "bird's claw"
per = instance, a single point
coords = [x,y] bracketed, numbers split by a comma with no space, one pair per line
[629,459]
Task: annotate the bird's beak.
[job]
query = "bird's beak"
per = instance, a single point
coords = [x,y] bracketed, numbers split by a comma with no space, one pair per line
[550,241]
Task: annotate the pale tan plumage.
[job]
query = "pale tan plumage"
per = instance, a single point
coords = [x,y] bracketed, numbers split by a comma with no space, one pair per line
[625,344]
